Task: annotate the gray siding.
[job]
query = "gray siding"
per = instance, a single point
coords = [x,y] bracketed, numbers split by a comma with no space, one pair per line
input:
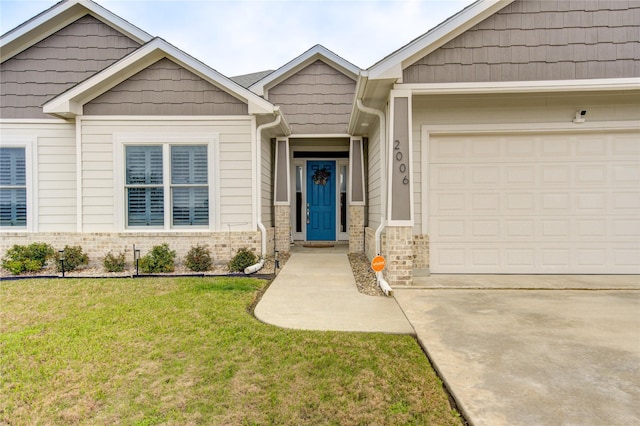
[540,40]
[316,100]
[165,88]
[55,64]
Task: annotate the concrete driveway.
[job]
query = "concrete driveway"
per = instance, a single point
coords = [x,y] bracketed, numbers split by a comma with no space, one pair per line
[557,351]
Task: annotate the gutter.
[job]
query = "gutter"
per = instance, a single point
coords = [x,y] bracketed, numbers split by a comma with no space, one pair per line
[258,169]
[384,285]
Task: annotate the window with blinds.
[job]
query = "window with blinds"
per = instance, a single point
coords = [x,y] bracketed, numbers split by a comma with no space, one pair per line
[13,187]
[144,184]
[187,185]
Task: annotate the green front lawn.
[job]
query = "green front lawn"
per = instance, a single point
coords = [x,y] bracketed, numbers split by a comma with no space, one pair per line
[187,351]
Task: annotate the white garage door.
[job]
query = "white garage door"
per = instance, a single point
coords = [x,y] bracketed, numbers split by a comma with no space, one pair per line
[534,203]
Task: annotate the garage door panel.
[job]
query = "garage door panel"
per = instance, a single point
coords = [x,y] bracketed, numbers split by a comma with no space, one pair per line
[484,176]
[591,174]
[627,256]
[628,200]
[535,204]
[626,174]
[542,258]
[556,174]
[625,229]
[519,202]
[624,146]
[485,202]
[521,175]
[558,148]
[591,146]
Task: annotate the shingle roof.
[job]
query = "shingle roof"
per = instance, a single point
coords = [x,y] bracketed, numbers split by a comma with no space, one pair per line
[247,80]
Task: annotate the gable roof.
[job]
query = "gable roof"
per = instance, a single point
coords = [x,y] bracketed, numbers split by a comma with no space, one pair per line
[59,16]
[70,103]
[317,52]
[391,66]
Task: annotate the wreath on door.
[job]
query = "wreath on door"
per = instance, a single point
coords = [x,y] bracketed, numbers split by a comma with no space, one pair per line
[321,176]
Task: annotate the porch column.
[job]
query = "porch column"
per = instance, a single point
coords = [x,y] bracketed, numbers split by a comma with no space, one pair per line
[356,196]
[399,231]
[281,194]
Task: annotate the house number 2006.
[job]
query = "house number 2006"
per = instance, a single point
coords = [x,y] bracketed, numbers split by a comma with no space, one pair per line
[399,156]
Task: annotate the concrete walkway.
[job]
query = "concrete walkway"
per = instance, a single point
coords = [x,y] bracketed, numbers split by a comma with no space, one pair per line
[316,291]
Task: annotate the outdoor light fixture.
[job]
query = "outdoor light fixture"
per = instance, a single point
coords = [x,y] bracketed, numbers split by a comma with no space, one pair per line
[62,259]
[136,257]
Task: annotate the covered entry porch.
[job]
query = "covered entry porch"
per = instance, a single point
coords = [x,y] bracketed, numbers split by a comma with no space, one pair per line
[319,191]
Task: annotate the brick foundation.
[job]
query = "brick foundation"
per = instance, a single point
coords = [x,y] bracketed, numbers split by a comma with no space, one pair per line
[283,228]
[223,245]
[421,252]
[271,241]
[356,229]
[399,255]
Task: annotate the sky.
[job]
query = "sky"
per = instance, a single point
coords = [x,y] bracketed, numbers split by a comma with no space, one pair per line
[238,37]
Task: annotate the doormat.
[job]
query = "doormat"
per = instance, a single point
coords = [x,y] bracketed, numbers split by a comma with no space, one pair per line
[318,245]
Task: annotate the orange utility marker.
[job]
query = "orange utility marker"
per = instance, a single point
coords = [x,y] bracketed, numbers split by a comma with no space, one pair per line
[378,263]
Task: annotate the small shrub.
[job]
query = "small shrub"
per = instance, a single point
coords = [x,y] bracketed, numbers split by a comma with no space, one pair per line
[14,266]
[243,258]
[160,259]
[29,258]
[32,265]
[114,262]
[74,257]
[198,259]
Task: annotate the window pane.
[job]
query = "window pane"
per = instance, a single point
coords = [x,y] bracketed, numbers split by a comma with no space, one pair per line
[144,165]
[298,198]
[13,173]
[189,165]
[190,206]
[13,207]
[146,206]
[13,170]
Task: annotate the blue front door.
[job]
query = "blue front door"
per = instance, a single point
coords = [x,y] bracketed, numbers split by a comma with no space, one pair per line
[321,200]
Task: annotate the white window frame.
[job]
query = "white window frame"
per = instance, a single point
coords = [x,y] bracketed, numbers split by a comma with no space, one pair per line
[166,141]
[31,164]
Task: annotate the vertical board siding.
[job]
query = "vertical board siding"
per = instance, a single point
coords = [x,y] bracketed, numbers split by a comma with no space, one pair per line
[233,166]
[317,99]
[165,88]
[48,68]
[374,186]
[266,169]
[540,40]
[56,180]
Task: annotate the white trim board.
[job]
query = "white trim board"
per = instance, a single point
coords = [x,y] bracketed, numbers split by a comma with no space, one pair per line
[583,85]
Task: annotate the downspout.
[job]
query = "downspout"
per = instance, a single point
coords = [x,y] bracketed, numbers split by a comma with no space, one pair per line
[255,268]
[384,285]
